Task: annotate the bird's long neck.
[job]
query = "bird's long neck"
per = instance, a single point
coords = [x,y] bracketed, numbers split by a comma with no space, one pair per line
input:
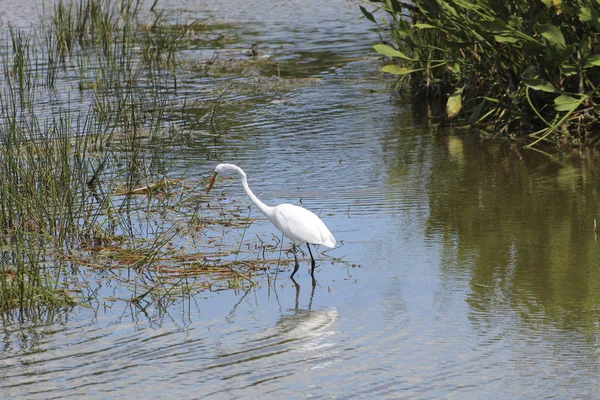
[265,209]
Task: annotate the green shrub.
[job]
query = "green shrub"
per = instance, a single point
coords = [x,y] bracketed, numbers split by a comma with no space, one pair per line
[507,66]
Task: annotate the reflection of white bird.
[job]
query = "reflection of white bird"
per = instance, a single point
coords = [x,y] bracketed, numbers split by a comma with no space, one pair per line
[303,324]
[296,223]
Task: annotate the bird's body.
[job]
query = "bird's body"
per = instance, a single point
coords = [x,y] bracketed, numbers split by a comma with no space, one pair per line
[295,222]
[299,224]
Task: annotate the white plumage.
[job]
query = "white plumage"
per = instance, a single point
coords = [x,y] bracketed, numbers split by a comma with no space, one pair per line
[295,222]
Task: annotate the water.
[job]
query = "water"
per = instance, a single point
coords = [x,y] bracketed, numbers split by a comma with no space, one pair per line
[465,268]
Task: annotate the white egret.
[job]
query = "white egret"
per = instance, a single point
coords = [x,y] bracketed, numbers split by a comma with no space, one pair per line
[296,223]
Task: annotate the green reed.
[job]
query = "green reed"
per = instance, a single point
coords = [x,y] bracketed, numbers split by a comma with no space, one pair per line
[80,110]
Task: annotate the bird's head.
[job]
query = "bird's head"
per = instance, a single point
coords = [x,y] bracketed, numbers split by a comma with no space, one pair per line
[224,169]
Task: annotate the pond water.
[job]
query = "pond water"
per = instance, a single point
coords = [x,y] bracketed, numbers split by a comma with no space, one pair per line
[465,268]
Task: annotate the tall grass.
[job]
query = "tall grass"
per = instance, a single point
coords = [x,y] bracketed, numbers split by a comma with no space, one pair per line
[78,98]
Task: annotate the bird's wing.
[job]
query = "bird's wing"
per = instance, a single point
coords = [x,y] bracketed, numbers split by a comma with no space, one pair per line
[298,223]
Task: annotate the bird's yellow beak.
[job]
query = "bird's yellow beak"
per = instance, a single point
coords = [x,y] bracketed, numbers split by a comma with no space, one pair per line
[212,182]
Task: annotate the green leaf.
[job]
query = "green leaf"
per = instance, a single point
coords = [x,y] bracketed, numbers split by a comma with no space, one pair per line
[585,13]
[394,6]
[496,26]
[529,73]
[567,103]
[466,4]
[367,14]
[476,113]
[539,84]
[389,51]
[493,100]
[423,26]
[593,61]
[395,69]
[454,104]
[515,22]
[591,15]
[448,8]
[456,68]
[568,69]
[505,39]
[553,35]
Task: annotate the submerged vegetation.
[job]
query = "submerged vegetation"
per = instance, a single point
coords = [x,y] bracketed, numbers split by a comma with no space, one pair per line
[509,67]
[87,132]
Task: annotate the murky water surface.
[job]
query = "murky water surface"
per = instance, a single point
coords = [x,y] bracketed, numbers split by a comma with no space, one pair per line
[465,269]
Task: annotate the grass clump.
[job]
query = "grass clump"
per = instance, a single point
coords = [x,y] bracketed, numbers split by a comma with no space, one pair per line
[82,124]
[509,67]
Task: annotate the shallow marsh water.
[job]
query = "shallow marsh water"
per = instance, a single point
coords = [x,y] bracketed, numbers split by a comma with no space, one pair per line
[465,268]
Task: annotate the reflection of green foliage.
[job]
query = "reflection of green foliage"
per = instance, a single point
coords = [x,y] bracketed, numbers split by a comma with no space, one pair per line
[501,64]
[522,227]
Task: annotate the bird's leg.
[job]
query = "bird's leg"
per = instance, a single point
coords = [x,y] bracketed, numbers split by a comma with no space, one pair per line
[297,286]
[296,260]
[312,262]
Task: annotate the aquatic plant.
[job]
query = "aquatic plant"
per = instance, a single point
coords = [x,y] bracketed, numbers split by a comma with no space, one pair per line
[507,67]
[81,118]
